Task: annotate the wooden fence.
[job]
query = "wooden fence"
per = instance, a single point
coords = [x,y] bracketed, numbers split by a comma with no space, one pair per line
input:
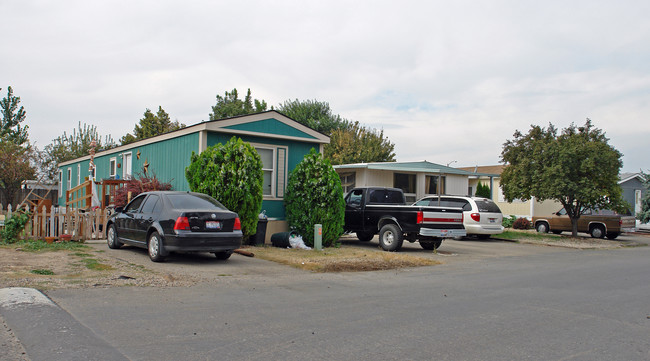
[80,197]
[62,224]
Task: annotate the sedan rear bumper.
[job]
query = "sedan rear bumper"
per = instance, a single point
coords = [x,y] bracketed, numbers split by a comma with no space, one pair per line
[203,241]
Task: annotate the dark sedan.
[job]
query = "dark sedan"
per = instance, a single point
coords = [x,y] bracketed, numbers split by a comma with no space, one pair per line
[168,221]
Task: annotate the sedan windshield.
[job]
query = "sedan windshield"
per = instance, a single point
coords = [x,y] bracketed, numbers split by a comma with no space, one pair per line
[194,201]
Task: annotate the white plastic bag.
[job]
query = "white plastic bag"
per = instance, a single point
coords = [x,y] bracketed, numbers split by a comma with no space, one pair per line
[296,242]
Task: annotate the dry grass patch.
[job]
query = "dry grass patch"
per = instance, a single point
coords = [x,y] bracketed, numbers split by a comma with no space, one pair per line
[343,259]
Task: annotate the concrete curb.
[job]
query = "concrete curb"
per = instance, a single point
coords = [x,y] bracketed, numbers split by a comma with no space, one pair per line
[47,332]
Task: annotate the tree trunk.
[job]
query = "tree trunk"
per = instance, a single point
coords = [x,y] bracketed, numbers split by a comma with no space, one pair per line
[574,227]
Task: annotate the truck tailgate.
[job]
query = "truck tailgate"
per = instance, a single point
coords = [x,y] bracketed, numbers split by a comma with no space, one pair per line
[442,223]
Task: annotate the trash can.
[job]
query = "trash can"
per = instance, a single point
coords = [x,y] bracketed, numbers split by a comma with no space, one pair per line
[260,235]
[281,239]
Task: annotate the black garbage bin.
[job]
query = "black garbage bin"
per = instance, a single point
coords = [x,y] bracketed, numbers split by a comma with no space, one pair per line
[260,235]
[281,239]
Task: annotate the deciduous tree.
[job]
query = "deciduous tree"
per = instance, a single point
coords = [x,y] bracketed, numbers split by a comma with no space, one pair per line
[151,125]
[15,167]
[231,106]
[71,146]
[314,114]
[357,144]
[577,168]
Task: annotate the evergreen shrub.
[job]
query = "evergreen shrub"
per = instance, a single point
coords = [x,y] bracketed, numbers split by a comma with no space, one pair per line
[482,190]
[232,174]
[315,196]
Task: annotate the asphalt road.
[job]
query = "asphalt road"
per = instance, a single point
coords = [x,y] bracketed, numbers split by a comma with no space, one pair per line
[488,301]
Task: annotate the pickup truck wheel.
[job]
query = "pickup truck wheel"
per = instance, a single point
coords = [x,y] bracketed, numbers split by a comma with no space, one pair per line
[597,231]
[390,238]
[365,236]
[542,227]
[612,235]
[430,245]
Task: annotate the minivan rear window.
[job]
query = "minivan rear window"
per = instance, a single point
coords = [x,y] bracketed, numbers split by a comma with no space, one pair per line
[487,206]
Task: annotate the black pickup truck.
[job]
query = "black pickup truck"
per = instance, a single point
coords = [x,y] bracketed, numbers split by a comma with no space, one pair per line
[372,210]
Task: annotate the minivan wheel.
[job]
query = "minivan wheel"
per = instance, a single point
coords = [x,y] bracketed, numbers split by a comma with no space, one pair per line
[430,245]
[155,247]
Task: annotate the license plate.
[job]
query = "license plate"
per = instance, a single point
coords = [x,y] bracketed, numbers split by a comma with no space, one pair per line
[212,225]
[443,232]
[493,220]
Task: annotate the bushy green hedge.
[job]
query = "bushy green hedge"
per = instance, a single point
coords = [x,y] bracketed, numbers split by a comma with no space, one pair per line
[232,174]
[13,226]
[314,196]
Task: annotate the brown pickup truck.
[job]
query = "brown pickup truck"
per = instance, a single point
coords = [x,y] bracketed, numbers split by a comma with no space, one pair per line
[598,223]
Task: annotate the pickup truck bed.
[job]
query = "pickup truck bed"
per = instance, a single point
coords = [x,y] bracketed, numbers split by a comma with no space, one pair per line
[375,210]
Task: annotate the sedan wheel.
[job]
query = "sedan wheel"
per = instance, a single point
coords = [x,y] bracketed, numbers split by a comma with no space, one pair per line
[111,238]
[155,248]
[223,255]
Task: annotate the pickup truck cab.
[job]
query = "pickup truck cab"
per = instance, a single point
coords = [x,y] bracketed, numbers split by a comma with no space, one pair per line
[597,222]
[378,210]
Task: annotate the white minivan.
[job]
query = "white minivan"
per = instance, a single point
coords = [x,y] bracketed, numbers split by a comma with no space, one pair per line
[481,216]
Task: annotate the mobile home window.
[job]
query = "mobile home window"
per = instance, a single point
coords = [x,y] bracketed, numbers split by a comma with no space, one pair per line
[405,182]
[268,166]
[78,174]
[60,182]
[69,178]
[431,184]
[348,181]
[113,167]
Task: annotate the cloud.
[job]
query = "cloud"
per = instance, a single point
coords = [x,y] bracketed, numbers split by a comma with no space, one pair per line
[445,80]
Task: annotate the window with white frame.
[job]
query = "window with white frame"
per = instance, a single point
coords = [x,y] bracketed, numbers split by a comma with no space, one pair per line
[274,167]
[348,181]
[69,178]
[268,167]
[113,167]
[78,174]
[60,182]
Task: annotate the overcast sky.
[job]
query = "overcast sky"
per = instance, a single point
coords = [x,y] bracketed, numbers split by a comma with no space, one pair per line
[447,81]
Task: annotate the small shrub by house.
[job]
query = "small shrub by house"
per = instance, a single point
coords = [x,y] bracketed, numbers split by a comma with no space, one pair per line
[315,196]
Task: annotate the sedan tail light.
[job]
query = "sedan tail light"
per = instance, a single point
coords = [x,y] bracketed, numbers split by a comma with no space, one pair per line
[182,224]
[237,226]
[476,217]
